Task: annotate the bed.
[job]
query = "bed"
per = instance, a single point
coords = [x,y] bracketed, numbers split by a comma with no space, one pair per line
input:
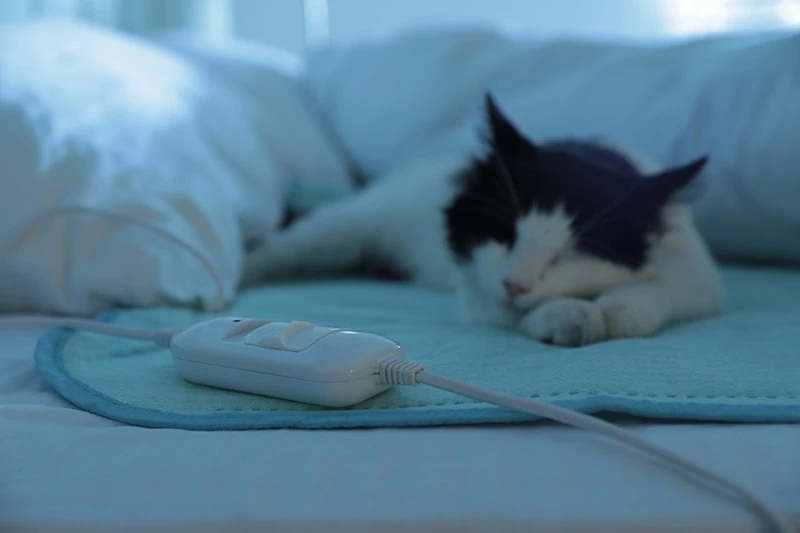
[64,469]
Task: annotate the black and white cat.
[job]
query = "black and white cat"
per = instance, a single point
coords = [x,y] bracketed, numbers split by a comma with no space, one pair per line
[572,242]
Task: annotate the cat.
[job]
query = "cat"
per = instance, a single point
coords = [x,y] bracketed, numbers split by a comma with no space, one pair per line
[572,242]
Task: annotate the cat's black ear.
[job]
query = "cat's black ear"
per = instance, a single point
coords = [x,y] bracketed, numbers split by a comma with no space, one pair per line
[676,181]
[504,135]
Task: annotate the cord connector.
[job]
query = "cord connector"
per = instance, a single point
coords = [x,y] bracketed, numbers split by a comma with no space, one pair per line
[396,371]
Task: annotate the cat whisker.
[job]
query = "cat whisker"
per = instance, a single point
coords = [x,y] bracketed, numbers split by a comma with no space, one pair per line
[507,177]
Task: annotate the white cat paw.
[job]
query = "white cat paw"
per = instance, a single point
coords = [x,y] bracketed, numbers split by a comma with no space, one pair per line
[566,322]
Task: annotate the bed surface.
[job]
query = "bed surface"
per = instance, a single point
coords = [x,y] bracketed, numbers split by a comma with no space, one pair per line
[65,470]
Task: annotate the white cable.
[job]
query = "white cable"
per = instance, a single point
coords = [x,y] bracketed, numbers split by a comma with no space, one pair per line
[162,337]
[209,266]
[400,372]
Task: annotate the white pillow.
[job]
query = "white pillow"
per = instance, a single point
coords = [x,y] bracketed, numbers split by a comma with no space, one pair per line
[266,82]
[99,119]
[734,97]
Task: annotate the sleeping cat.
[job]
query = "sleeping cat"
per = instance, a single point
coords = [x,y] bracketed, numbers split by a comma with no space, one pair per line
[571,242]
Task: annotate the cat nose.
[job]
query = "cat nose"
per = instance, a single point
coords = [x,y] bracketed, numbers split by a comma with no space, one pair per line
[515,288]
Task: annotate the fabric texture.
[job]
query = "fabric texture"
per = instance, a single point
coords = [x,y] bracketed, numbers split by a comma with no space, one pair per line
[742,366]
[173,139]
[731,97]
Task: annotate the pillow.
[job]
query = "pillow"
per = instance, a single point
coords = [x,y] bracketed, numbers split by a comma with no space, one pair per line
[734,97]
[97,119]
[267,83]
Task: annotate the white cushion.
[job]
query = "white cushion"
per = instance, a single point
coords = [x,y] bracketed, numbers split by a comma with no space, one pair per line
[267,83]
[99,119]
[734,97]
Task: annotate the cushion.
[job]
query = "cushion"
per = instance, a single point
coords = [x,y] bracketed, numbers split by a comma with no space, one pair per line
[97,119]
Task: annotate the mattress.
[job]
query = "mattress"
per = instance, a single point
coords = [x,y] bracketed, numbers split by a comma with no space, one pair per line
[65,470]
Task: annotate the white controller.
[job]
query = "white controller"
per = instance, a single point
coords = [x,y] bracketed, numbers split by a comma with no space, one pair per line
[294,361]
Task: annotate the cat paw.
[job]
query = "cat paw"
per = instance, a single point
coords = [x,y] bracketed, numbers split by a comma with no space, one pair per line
[566,322]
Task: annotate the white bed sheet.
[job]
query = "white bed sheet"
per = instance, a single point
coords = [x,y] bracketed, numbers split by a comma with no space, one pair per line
[64,470]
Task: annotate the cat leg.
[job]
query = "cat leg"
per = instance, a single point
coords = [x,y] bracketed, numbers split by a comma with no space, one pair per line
[397,219]
[331,239]
[632,311]
[644,310]
[685,285]
[625,312]
[682,283]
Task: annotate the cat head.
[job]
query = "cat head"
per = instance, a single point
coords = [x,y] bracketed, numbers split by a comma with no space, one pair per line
[532,222]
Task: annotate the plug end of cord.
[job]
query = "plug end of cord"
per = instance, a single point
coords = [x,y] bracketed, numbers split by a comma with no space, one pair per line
[396,371]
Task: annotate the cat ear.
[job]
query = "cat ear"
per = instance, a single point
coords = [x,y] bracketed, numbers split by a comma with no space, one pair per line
[504,135]
[666,185]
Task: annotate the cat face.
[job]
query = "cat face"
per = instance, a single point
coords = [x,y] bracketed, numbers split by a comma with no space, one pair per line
[565,219]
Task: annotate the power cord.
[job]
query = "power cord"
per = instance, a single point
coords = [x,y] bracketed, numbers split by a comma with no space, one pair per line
[394,371]
[161,337]
[401,372]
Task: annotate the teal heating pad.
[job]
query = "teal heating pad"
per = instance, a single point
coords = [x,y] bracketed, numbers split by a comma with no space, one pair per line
[743,366]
